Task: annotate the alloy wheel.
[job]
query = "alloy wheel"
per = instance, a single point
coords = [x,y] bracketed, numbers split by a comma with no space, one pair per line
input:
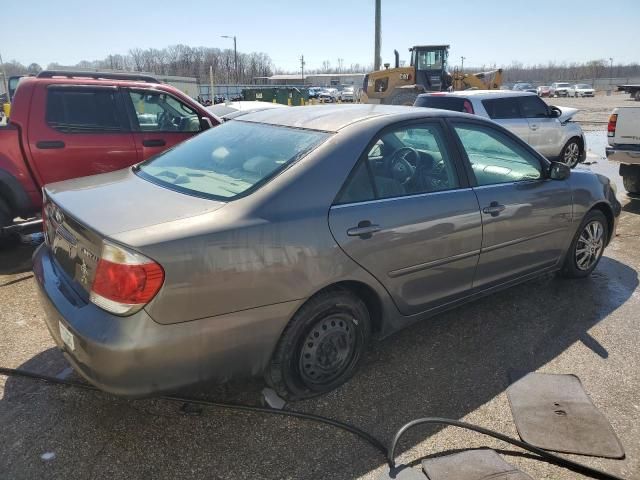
[571,154]
[589,245]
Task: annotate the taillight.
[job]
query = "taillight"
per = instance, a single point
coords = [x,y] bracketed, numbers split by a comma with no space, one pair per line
[611,128]
[124,281]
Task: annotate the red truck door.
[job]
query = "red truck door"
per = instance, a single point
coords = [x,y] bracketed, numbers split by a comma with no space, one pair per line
[159,120]
[79,130]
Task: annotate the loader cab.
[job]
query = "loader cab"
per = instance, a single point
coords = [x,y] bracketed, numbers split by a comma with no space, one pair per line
[430,63]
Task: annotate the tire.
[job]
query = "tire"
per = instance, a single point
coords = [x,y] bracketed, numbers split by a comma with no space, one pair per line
[5,215]
[636,96]
[580,264]
[321,347]
[403,98]
[570,154]
[632,183]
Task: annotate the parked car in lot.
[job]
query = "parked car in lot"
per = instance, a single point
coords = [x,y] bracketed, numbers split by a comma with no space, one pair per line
[559,89]
[623,136]
[546,128]
[524,87]
[71,124]
[346,94]
[326,96]
[543,90]
[581,90]
[281,242]
[230,110]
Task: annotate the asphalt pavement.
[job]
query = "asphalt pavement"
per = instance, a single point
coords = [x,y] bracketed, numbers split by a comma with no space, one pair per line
[454,365]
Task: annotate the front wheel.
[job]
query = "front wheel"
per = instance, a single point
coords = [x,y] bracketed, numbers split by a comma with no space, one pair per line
[321,347]
[571,153]
[587,246]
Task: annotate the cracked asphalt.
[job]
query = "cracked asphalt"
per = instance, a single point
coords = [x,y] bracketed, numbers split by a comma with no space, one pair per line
[454,365]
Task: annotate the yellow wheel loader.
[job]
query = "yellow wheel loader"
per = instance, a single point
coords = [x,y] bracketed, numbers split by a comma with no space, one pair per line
[427,73]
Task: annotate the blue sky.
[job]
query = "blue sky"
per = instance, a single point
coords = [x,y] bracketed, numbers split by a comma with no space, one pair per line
[485,32]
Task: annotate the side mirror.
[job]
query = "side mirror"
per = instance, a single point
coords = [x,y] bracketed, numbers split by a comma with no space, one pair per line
[559,171]
[205,123]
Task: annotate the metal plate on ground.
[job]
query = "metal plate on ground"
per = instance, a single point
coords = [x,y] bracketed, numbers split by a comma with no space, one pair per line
[472,465]
[554,412]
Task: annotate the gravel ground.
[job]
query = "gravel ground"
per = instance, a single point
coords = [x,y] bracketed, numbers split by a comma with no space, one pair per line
[455,365]
[594,111]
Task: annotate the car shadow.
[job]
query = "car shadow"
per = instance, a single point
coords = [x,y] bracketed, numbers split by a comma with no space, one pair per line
[446,366]
[633,205]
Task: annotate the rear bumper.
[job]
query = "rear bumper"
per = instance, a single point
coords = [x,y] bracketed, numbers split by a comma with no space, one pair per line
[631,157]
[136,356]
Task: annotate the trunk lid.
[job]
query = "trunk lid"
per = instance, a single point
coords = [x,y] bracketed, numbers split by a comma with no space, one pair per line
[78,214]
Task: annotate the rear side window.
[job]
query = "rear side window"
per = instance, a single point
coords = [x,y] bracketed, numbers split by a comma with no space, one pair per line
[455,104]
[230,160]
[533,107]
[498,108]
[82,110]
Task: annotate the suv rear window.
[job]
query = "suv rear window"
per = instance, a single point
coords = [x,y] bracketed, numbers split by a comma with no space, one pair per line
[455,104]
[502,108]
[82,110]
[230,160]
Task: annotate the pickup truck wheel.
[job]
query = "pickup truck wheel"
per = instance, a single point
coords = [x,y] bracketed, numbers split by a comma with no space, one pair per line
[5,219]
[571,153]
[631,182]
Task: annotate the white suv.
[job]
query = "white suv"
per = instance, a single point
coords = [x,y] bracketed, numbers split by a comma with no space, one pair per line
[546,128]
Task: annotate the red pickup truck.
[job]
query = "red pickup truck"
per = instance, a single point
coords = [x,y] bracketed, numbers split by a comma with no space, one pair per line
[72,124]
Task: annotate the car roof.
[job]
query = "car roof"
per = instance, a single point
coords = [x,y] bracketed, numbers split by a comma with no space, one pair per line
[481,94]
[332,118]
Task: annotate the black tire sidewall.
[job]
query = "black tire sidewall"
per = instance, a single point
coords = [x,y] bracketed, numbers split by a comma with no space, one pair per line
[283,373]
[570,268]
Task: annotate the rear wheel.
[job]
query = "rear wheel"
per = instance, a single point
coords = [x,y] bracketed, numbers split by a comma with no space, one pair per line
[403,98]
[321,346]
[636,95]
[587,246]
[571,153]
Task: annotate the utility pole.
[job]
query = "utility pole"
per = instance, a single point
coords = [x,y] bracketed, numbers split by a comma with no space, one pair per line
[377,59]
[610,70]
[235,54]
[302,62]
[211,93]
[462,64]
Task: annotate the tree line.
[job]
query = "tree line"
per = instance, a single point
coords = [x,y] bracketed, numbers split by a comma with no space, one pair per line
[183,60]
[179,60]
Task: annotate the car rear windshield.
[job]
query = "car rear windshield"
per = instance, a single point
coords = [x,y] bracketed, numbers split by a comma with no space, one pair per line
[455,104]
[230,160]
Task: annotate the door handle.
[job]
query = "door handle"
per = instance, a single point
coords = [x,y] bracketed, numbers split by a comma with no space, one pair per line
[493,209]
[364,230]
[155,142]
[49,144]
[533,127]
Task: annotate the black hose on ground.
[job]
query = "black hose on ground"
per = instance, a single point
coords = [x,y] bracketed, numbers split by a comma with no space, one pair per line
[388,453]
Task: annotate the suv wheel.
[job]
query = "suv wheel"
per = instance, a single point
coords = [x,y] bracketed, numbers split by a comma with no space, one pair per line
[571,153]
[587,246]
[321,347]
